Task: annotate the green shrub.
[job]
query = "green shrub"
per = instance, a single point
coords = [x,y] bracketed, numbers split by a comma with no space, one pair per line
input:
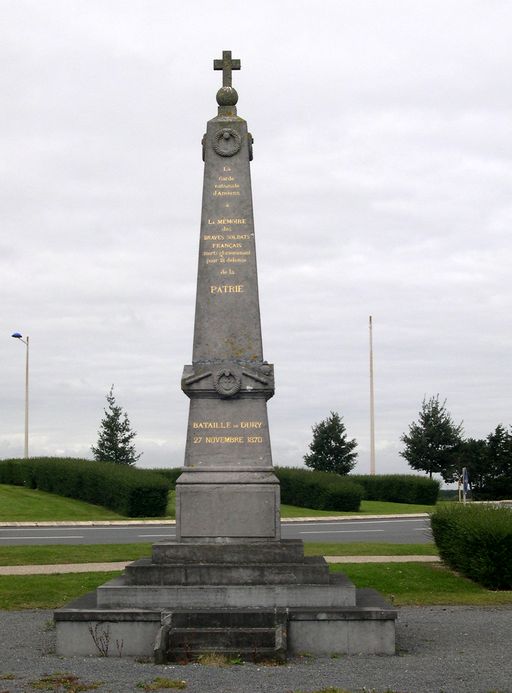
[319,490]
[398,488]
[170,473]
[128,491]
[476,540]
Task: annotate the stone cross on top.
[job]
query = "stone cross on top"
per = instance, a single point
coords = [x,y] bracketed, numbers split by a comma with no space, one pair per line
[227,64]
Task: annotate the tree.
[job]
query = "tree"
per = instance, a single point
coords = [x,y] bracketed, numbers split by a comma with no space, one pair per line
[431,443]
[498,483]
[115,435]
[489,464]
[474,455]
[330,449]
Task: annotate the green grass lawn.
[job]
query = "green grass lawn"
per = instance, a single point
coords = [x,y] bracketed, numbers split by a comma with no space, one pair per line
[367,508]
[20,504]
[403,584]
[54,554]
[373,548]
[409,584]
[47,591]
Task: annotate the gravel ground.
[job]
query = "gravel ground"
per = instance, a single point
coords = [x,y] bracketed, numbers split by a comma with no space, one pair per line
[449,649]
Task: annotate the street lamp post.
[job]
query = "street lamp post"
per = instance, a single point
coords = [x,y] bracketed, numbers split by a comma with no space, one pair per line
[25,341]
[372,405]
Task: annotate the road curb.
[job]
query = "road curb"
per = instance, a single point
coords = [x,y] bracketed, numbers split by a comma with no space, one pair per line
[121,523]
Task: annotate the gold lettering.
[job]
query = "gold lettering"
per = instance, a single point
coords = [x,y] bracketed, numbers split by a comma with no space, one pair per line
[227,245]
[251,424]
[214,237]
[211,424]
[254,439]
[232,221]
[224,439]
[227,289]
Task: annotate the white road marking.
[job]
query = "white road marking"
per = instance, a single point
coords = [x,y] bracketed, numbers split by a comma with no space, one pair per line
[114,528]
[79,536]
[156,535]
[358,522]
[340,531]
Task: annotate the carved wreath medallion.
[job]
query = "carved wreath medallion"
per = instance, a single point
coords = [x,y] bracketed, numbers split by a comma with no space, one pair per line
[227,142]
[227,382]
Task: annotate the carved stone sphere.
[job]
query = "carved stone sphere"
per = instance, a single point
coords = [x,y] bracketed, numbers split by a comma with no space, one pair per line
[227,96]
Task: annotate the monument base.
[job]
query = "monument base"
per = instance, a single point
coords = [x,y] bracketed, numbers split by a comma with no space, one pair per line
[252,601]
[368,627]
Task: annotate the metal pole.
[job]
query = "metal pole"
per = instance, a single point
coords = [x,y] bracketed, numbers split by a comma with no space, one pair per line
[372,406]
[26,398]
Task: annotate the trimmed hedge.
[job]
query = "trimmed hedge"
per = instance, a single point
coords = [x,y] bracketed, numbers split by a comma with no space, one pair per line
[170,473]
[476,540]
[319,490]
[398,488]
[128,491]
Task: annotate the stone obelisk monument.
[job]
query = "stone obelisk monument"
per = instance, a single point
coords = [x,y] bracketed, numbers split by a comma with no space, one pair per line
[227,490]
[228,582]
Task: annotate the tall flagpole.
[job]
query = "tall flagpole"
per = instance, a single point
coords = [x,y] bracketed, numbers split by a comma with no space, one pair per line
[372,405]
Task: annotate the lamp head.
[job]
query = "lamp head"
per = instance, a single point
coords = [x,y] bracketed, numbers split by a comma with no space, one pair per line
[17,335]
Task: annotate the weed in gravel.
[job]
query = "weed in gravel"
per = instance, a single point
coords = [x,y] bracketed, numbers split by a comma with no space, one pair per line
[214,659]
[160,683]
[7,677]
[60,683]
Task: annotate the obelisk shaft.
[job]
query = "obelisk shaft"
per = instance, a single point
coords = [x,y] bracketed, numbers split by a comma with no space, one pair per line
[227,491]
[227,321]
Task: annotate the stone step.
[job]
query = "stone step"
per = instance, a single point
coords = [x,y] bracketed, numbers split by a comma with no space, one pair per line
[284,551]
[225,618]
[116,593]
[219,639]
[311,570]
[249,633]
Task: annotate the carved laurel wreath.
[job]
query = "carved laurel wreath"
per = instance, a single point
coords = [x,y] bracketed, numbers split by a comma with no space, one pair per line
[227,382]
[227,142]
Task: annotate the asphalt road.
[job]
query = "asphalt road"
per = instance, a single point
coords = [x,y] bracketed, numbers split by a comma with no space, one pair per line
[398,531]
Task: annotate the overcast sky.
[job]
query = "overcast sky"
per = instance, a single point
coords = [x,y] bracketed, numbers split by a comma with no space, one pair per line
[382,181]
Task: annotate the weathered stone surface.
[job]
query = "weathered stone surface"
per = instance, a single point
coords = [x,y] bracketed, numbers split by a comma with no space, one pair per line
[285,551]
[208,511]
[368,627]
[117,594]
[313,570]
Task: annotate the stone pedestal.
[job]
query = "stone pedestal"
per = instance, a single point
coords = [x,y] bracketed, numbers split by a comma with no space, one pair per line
[254,600]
